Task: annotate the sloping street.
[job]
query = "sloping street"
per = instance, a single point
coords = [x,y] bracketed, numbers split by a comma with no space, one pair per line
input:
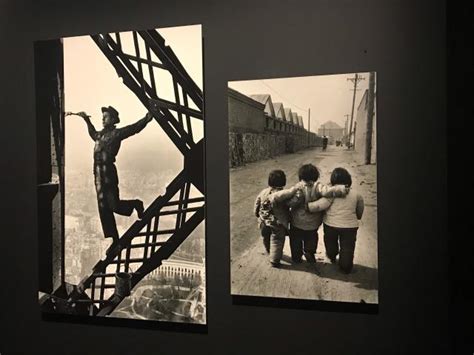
[251,273]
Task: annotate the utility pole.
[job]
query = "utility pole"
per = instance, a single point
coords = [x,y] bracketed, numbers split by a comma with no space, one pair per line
[355,128]
[355,80]
[346,126]
[370,118]
[309,123]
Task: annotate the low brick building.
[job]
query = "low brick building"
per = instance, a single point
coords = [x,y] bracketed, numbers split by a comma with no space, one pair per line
[245,114]
[260,129]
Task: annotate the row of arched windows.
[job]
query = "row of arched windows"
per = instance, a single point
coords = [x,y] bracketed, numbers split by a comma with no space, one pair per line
[169,270]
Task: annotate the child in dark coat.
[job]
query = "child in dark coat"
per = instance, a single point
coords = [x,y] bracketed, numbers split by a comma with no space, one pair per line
[304,225]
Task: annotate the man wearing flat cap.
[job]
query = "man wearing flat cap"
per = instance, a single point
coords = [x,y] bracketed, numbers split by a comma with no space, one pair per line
[107,145]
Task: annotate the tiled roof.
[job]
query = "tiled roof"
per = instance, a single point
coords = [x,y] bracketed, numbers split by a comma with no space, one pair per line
[295,118]
[300,119]
[261,98]
[267,101]
[279,111]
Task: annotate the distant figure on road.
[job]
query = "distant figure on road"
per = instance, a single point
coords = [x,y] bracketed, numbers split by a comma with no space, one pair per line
[341,221]
[272,211]
[325,142]
[107,145]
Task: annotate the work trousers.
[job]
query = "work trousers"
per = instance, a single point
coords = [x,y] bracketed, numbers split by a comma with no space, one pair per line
[108,199]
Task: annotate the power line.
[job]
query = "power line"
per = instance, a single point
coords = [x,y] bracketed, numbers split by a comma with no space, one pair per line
[283,97]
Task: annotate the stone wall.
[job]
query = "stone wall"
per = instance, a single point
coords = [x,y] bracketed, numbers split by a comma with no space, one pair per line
[250,147]
[255,135]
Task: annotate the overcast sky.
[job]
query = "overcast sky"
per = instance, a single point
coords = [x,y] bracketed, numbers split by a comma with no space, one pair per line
[328,96]
[91,82]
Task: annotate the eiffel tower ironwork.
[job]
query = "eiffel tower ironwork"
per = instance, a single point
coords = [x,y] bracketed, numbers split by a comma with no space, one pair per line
[147,242]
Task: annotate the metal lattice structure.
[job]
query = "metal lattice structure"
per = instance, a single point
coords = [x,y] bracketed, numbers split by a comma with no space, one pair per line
[147,242]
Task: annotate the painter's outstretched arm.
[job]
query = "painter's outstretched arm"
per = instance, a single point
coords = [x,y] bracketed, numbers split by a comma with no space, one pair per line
[87,119]
[134,128]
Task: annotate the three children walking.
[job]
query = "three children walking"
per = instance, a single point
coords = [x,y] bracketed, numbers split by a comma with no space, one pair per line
[300,210]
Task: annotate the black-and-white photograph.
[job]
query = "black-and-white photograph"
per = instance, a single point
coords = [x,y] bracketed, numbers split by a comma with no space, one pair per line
[303,188]
[121,186]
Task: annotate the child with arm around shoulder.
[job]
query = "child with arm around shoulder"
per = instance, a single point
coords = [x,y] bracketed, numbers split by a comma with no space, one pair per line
[341,220]
[304,225]
[272,212]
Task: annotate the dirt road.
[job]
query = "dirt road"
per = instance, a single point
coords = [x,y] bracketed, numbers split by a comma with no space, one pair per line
[251,272]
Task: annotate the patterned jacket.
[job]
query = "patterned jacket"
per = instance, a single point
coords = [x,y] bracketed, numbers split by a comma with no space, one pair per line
[272,206]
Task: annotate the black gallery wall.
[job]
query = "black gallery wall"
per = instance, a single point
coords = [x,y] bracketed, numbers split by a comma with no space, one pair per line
[404,41]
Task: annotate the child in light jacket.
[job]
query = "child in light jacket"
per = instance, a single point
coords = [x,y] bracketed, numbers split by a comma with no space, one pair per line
[341,220]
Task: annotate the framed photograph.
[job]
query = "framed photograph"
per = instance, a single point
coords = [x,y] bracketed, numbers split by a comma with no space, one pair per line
[121,190]
[303,191]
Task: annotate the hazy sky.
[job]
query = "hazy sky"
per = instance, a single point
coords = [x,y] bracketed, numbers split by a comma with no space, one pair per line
[91,82]
[328,96]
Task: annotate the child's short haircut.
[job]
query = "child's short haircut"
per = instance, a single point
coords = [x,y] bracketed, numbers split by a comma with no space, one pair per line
[308,172]
[341,176]
[277,178]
